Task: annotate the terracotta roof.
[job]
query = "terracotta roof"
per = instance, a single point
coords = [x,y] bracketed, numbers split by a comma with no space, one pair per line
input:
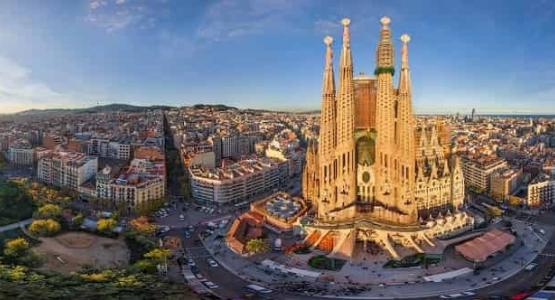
[480,248]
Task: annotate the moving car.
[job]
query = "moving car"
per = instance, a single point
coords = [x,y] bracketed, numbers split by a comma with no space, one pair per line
[212,263]
[258,289]
[210,284]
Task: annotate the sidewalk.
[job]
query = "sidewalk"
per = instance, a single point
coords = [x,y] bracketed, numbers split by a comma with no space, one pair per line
[16,225]
[405,283]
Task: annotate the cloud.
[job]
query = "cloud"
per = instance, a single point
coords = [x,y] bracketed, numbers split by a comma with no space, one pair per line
[115,15]
[173,45]
[19,90]
[95,4]
[231,19]
[327,26]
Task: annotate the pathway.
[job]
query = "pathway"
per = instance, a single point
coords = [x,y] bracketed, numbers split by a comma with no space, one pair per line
[15,225]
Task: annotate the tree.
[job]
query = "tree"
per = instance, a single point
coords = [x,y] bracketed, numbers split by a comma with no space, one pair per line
[256,246]
[77,220]
[104,276]
[49,211]
[145,266]
[143,226]
[18,273]
[46,227]
[16,248]
[158,255]
[128,282]
[106,225]
[15,204]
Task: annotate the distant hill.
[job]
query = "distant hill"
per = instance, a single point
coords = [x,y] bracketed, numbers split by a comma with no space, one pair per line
[131,108]
[122,107]
[216,107]
[94,109]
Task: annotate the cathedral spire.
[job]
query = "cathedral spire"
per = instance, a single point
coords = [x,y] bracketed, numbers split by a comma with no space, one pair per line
[329,81]
[328,113]
[384,53]
[346,56]
[345,100]
[404,78]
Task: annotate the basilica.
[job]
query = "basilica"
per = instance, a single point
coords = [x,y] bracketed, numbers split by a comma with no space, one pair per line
[374,175]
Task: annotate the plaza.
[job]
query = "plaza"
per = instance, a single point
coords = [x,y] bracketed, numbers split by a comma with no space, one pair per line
[367,278]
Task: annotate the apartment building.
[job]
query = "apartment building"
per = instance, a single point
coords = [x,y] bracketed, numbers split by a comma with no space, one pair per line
[21,153]
[117,149]
[477,171]
[238,182]
[504,182]
[541,191]
[142,181]
[66,169]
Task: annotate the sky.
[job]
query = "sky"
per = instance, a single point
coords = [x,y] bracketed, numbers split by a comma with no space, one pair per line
[495,56]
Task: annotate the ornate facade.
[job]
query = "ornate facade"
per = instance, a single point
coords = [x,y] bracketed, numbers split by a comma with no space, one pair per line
[310,183]
[371,179]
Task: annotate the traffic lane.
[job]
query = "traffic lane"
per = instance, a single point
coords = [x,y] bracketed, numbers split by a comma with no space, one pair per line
[522,281]
[229,284]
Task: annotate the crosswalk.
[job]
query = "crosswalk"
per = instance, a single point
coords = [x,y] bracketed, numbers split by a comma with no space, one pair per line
[547,254]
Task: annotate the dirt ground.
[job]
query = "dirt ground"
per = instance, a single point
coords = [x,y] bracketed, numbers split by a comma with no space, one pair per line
[75,249]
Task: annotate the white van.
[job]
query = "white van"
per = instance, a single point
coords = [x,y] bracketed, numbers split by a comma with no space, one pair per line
[258,289]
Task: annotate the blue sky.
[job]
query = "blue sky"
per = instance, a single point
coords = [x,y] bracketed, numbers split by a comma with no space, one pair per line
[497,56]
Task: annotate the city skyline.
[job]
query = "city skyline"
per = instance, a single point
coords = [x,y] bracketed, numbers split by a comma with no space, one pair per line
[82,53]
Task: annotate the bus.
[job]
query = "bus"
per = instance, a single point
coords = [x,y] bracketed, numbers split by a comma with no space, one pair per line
[258,289]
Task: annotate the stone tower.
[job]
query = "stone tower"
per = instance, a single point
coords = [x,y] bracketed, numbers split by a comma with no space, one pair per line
[345,108]
[310,180]
[328,139]
[385,101]
[405,124]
